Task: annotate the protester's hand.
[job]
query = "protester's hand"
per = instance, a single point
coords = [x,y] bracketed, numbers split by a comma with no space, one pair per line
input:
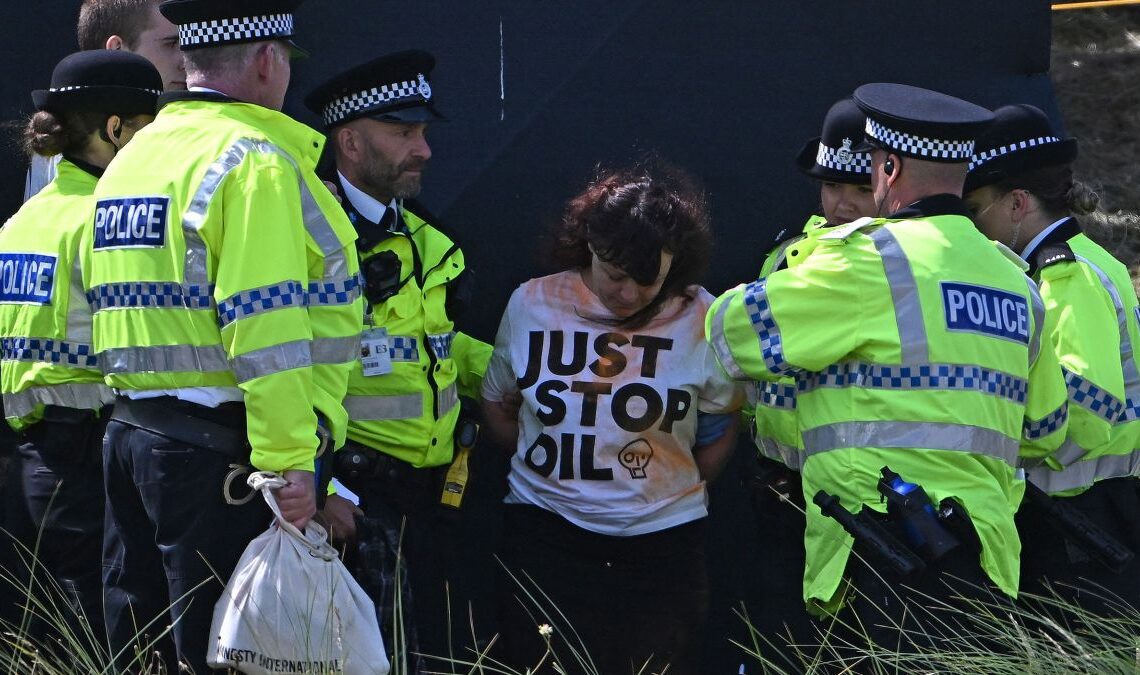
[335,192]
[298,499]
[338,517]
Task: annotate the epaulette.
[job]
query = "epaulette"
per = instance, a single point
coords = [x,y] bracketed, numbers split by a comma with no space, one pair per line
[845,231]
[1053,254]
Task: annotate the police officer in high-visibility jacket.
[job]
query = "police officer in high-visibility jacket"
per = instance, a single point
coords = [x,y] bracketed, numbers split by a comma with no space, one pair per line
[844,177]
[403,396]
[915,345]
[1021,190]
[53,390]
[227,313]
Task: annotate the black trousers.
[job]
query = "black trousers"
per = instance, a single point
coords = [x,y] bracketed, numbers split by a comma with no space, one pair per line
[1052,566]
[400,556]
[914,614]
[55,512]
[624,601]
[171,543]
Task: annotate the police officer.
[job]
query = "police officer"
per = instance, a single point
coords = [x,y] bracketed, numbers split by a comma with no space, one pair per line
[130,25]
[227,313]
[1021,190]
[844,177]
[53,390]
[914,343]
[403,396]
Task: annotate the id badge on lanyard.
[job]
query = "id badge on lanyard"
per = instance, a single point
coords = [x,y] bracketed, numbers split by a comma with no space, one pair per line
[374,354]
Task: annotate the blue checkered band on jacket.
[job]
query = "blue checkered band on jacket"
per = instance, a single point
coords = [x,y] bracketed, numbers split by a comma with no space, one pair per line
[441,344]
[920,145]
[939,376]
[981,158]
[397,92]
[247,303]
[404,348]
[1046,425]
[776,395]
[150,294]
[339,292]
[843,159]
[1093,398]
[238,29]
[771,346]
[49,351]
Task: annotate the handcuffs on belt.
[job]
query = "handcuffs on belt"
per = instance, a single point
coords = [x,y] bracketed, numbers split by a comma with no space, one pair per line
[324,439]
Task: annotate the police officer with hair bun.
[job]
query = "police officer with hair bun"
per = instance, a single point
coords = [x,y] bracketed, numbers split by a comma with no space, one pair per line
[50,377]
[1022,193]
[404,393]
[904,378]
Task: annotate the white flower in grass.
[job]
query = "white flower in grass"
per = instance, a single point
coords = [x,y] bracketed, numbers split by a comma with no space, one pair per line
[546,630]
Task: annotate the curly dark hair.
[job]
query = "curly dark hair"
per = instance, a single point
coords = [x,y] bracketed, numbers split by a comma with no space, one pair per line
[629,217]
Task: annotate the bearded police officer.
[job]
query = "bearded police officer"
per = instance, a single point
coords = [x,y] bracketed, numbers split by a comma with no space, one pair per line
[403,396]
[915,345]
[1022,192]
[227,312]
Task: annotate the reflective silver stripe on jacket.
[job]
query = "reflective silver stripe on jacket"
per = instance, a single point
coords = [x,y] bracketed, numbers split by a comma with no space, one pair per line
[334,350]
[399,407]
[1083,473]
[164,359]
[928,376]
[904,296]
[1131,410]
[79,395]
[719,342]
[1038,320]
[271,360]
[916,436]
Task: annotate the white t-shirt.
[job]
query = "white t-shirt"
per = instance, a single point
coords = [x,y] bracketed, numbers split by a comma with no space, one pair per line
[608,421]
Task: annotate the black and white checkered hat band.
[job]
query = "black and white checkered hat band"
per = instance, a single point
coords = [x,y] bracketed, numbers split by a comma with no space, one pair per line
[58,90]
[843,159]
[397,92]
[920,146]
[986,156]
[239,29]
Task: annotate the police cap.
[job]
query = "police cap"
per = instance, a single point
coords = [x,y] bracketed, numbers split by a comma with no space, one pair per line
[102,80]
[214,23]
[1019,139]
[830,156]
[920,123]
[392,88]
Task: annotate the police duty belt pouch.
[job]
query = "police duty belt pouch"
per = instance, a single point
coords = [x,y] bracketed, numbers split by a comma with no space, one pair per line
[291,606]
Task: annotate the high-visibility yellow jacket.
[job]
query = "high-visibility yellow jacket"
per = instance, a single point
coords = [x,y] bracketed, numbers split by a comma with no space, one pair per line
[410,412]
[915,344]
[45,323]
[775,431]
[218,258]
[1092,324]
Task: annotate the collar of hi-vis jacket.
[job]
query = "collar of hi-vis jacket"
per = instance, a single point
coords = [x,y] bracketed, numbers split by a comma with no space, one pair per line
[299,140]
[934,205]
[1056,240]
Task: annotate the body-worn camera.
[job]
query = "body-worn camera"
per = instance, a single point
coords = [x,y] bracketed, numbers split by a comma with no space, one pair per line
[381,276]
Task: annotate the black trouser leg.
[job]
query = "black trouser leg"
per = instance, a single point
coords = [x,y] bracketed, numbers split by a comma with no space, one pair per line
[190,531]
[56,515]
